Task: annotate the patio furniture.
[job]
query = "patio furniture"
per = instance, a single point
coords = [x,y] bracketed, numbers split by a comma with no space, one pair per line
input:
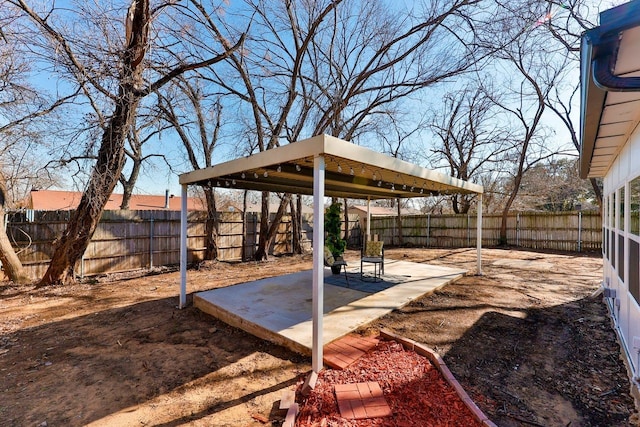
[373,253]
[336,263]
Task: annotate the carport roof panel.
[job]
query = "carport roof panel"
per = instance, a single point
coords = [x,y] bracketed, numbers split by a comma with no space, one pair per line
[351,171]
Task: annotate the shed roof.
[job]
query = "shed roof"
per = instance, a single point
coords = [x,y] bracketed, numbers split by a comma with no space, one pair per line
[610,100]
[351,171]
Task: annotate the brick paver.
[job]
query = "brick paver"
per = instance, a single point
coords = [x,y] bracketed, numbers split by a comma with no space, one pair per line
[361,400]
[343,352]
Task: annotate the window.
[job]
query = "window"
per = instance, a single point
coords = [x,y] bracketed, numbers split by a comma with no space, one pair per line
[605,211]
[634,269]
[621,260]
[612,210]
[634,206]
[621,210]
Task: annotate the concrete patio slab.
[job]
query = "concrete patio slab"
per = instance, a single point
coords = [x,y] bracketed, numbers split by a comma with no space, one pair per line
[278,309]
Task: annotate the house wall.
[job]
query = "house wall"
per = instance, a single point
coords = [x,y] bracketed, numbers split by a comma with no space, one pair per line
[621,246]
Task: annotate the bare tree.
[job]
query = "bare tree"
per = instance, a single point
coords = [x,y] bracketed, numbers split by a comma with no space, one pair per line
[137,137]
[196,117]
[470,137]
[565,22]
[521,62]
[338,67]
[260,87]
[552,186]
[26,116]
[92,73]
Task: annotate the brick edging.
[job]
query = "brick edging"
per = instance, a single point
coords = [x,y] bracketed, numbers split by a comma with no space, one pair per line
[438,362]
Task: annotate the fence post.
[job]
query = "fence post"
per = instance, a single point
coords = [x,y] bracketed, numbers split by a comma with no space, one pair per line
[151,243]
[428,229]
[468,230]
[579,231]
[518,229]
[255,234]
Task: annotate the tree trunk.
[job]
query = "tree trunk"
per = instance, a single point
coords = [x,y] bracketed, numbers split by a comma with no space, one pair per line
[129,184]
[502,240]
[84,220]
[211,226]
[262,252]
[266,238]
[11,264]
[399,224]
[296,229]
[598,192]
[111,157]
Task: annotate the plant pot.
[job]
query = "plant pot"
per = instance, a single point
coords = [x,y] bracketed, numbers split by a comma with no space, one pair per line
[335,269]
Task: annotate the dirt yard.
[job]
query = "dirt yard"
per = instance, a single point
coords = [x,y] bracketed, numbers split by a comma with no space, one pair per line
[527,341]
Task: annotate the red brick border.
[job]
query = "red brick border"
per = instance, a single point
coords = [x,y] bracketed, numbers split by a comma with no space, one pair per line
[437,361]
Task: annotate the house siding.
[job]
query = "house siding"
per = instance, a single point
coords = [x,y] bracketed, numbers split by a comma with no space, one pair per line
[621,247]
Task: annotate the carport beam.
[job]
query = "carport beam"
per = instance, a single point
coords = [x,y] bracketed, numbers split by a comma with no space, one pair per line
[318,265]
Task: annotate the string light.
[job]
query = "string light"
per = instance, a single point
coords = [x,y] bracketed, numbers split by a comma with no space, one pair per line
[298,167]
[393,187]
[374,176]
[233,182]
[243,175]
[351,172]
[255,175]
[379,183]
[339,168]
[226,183]
[279,168]
[266,174]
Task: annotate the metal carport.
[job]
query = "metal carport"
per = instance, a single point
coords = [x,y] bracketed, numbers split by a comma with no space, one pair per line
[324,166]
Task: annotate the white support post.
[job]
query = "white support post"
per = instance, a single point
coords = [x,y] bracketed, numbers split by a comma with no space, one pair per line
[368,236]
[479,235]
[183,248]
[317,342]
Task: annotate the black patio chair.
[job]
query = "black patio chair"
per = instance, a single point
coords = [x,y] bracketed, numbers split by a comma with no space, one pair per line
[336,263]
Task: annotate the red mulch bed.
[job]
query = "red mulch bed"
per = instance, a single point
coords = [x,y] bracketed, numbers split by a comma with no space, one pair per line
[414,389]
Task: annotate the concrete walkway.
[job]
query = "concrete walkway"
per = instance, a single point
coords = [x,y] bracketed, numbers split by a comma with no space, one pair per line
[278,309]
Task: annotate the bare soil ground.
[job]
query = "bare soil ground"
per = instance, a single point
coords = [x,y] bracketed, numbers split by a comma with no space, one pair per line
[527,341]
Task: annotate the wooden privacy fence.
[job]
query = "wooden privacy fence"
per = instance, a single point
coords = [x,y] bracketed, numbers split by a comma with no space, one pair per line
[564,231]
[131,240]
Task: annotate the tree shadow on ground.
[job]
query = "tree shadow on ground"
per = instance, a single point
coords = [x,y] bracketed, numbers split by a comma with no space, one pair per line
[82,369]
[554,366]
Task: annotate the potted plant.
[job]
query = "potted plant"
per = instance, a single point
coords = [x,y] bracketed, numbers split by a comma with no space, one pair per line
[333,230]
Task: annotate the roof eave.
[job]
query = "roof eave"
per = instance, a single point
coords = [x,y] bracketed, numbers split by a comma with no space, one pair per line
[597,56]
[592,104]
